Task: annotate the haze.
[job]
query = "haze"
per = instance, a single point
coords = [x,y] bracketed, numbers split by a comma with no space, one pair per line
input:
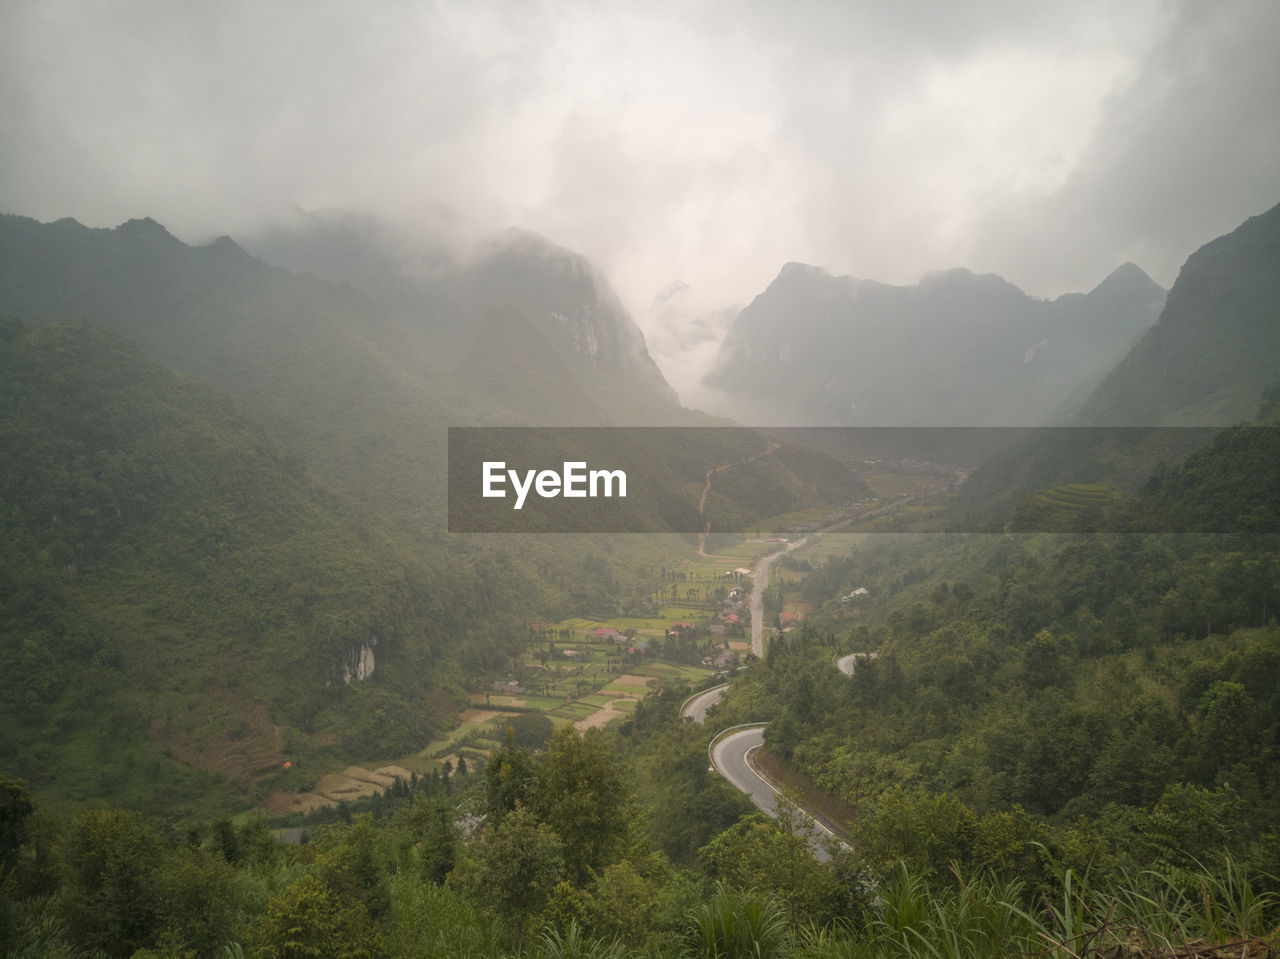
[708,142]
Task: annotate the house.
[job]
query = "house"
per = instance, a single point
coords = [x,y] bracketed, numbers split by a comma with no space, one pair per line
[725,659]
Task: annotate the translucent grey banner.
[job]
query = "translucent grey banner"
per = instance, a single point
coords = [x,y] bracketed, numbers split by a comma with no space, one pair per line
[733,480]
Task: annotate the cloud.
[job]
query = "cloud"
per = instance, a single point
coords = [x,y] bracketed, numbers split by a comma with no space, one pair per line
[709,141]
[1183,152]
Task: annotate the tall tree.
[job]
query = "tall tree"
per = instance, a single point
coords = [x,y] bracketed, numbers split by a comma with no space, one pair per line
[579,792]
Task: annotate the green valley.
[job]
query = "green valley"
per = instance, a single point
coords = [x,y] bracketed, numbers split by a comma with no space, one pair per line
[258,702]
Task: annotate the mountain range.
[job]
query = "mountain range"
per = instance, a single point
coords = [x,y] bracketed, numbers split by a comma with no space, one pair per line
[359,380]
[1208,362]
[956,349]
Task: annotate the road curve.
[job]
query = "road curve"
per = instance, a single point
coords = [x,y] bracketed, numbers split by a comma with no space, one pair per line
[846,663]
[731,757]
[731,750]
[695,707]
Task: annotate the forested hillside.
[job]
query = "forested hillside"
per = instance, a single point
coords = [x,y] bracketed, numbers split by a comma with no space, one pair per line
[362,385]
[1205,365]
[177,588]
[1121,688]
[1216,346]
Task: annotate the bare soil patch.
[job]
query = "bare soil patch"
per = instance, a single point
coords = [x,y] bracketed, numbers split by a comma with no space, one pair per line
[600,717]
[244,753]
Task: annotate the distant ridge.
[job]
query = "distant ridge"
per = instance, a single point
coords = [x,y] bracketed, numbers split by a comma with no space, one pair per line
[358,374]
[1208,362]
[1216,346]
[956,349]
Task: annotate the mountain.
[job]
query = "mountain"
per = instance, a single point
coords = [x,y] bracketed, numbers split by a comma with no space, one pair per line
[1207,363]
[321,366]
[359,382]
[955,349]
[1216,346]
[527,320]
[184,608]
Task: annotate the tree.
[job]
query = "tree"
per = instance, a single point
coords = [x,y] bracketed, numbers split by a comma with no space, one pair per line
[624,897]
[197,905]
[109,883]
[924,831]
[15,807]
[432,824]
[758,854]
[508,779]
[515,868]
[530,730]
[311,920]
[579,792]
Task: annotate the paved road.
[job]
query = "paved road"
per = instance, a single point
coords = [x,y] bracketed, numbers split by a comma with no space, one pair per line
[730,757]
[696,707]
[846,663]
[760,579]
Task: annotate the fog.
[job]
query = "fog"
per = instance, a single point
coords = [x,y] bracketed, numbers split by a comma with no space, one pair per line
[707,141]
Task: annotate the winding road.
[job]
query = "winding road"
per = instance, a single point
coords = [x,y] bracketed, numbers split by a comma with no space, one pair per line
[760,580]
[731,755]
[696,707]
[845,664]
[731,750]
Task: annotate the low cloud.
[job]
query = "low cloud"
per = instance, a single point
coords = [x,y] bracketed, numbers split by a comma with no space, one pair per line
[707,142]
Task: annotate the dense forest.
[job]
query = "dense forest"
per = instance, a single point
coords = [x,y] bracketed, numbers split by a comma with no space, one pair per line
[171,571]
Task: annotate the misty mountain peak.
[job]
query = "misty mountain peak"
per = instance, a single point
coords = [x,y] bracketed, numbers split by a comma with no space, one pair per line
[666,297]
[1128,281]
[961,281]
[794,271]
[558,294]
[515,245]
[227,249]
[957,347]
[147,229]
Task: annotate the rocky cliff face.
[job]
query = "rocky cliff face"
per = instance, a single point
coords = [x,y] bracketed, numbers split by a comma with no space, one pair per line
[562,296]
[359,663]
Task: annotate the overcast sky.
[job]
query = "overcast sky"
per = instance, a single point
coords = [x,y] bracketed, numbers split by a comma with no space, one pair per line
[709,141]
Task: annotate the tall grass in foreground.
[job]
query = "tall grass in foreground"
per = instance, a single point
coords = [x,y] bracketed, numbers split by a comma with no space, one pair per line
[1179,914]
[734,926]
[1172,915]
